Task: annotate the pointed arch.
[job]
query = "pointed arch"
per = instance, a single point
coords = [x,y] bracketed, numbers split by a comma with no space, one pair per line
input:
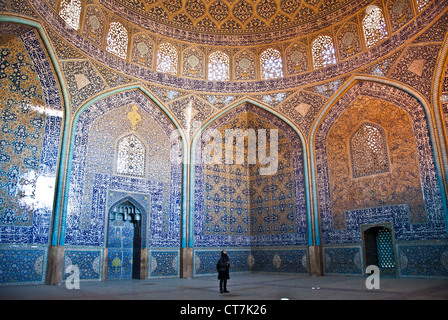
[93,24]
[297,58]
[322,51]
[131,200]
[117,39]
[359,79]
[218,66]
[441,125]
[142,49]
[348,40]
[167,58]
[70,11]
[129,236]
[374,26]
[368,150]
[130,155]
[206,125]
[271,64]
[178,133]
[54,233]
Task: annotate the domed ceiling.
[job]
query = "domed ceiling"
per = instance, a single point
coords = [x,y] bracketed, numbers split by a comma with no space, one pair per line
[233,17]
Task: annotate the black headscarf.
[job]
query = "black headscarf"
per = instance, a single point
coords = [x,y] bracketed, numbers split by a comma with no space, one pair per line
[224,256]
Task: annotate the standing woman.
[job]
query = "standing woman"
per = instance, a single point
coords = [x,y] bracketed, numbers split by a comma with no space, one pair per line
[223,267]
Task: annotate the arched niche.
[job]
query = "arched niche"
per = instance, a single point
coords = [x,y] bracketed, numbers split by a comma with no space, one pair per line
[36,101]
[364,101]
[126,239]
[244,213]
[93,178]
[379,248]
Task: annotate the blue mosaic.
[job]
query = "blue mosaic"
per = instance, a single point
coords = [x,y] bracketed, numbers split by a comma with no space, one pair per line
[119,264]
[93,177]
[140,201]
[343,260]
[164,264]
[285,261]
[254,260]
[206,260]
[265,234]
[31,121]
[88,261]
[423,260]
[22,264]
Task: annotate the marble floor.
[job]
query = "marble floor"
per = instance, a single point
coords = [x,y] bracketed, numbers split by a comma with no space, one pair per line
[244,286]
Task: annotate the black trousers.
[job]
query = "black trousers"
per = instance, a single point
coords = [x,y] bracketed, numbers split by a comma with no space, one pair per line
[223,284]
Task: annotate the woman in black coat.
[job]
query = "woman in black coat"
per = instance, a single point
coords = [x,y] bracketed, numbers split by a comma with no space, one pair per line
[223,267]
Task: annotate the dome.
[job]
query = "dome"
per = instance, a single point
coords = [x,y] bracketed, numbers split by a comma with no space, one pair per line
[237,40]
[265,18]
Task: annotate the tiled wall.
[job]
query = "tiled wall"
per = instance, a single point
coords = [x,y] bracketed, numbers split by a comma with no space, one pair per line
[31,124]
[265,214]
[163,263]
[21,264]
[342,240]
[88,260]
[435,224]
[274,259]
[426,259]
[94,185]
[31,127]
[423,259]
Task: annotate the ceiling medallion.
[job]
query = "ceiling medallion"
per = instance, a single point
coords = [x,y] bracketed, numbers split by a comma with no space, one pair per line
[235,16]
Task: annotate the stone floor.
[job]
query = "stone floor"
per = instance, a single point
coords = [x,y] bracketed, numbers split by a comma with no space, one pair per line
[245,286]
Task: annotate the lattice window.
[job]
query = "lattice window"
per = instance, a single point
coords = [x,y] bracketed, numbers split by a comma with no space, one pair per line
[167,59]
[271,64]
[218,66]
[374,26]
[368,150]
[71,12]
[131,155]
[117,40]
[323,52]
[384,244]
[421,4]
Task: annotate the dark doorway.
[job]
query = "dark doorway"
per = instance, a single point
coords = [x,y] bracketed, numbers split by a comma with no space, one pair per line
[379,249]
[124,242]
